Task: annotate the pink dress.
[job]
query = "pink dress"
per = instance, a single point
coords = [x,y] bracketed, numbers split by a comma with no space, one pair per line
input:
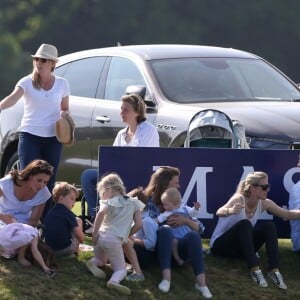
[14,236]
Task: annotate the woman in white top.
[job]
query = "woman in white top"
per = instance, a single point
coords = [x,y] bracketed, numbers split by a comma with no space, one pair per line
[238,234]
[113,226]
[46,98]
[137,133]
[23,195]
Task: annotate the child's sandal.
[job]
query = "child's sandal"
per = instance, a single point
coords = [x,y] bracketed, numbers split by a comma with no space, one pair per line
[50,273]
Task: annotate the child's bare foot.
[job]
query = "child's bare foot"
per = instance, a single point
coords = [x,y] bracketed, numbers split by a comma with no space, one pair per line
[24,262]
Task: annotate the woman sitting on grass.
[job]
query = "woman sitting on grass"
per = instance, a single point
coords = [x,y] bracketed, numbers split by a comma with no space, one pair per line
[238,234]
[189,248]
[23,195]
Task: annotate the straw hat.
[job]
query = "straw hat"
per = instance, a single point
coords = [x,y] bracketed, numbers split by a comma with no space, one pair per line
[47,51]
[64,130]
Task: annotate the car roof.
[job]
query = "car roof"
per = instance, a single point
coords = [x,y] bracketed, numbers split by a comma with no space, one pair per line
[162,51]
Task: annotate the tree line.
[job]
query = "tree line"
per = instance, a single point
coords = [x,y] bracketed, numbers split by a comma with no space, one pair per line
[268,28]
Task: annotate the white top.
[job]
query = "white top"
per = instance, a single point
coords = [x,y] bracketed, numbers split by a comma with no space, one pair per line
[42,108]
[15,235]
[146,135]
[225,223]
[119,216]
[185,209]
[20,210]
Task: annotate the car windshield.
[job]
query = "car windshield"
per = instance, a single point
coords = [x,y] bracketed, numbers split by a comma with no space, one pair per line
[192,80]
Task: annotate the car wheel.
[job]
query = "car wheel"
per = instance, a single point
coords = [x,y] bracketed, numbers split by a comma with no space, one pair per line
[13,163]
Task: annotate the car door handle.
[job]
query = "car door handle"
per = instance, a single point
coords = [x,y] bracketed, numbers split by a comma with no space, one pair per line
[102,119]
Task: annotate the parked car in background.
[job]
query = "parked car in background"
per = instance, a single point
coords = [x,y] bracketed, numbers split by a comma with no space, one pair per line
[180,81]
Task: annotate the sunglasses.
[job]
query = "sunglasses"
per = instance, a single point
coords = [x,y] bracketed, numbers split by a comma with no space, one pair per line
[264,187]
[42,60]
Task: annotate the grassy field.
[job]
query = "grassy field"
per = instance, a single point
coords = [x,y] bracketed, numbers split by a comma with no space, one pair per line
[227,279]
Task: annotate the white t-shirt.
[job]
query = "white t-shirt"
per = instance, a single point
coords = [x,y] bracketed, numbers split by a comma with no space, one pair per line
[119,217]
[145,135]
[20,210]
[42,108]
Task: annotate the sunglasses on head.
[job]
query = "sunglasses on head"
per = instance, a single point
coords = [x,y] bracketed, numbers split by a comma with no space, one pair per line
[43,60]
[264,187]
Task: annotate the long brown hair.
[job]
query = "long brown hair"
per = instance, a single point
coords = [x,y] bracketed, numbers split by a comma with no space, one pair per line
[159,182]
[37,166]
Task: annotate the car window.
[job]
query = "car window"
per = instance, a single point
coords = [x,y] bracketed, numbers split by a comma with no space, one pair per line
[83,75]
[122,73]
[195,80]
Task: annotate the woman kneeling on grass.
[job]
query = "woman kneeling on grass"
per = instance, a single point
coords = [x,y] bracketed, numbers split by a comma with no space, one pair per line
[238,234]
[113,225]
[23,195]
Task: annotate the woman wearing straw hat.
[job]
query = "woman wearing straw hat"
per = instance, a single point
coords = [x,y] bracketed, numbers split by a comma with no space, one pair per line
[46,99]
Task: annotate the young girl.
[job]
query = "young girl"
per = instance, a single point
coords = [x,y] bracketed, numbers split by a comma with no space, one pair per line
[171,201]
[15,238]
[63,230]
[113,225]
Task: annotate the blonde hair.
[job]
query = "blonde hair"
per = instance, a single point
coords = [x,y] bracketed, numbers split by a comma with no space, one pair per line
[171,195]
[251,179]
[111,181]
[63,189]
[36,77]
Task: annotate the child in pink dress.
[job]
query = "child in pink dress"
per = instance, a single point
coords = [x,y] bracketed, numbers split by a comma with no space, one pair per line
[15,238]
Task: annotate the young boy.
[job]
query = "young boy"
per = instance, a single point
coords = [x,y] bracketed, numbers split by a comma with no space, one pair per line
[171,200]
[63,230]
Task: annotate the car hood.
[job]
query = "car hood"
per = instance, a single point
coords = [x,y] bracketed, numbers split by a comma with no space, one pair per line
[270,120]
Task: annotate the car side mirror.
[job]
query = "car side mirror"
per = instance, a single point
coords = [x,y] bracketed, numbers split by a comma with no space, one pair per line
[136,89]
[141,91]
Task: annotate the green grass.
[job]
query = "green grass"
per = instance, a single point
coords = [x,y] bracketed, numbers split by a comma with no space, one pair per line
[227,279]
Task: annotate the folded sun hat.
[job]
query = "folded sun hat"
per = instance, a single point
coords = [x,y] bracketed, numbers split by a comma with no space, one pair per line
[64,130]
[46,51]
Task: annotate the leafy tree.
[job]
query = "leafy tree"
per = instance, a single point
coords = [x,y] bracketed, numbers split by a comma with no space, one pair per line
[269,28]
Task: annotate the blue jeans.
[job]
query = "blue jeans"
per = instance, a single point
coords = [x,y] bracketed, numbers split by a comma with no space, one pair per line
[89,178]
[189,249]
[33,147]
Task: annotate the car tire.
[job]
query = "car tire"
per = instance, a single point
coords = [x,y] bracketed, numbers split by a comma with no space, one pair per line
[13,163]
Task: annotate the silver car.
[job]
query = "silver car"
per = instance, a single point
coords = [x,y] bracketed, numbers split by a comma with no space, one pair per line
[180,80]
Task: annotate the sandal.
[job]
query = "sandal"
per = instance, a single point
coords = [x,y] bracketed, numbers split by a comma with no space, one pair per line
[50,273]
